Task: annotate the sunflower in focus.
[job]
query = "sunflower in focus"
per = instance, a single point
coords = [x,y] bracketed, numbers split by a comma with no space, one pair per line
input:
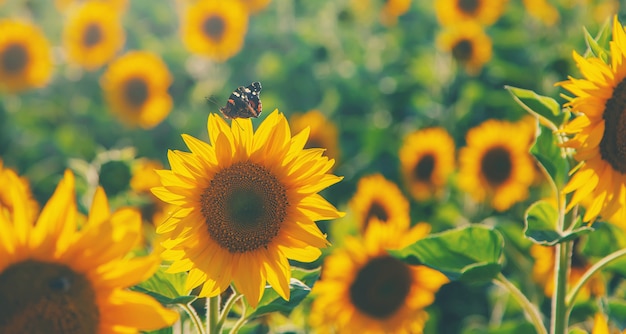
[93,34]
[214,28]
[364,290]
[135,86]
[25,56]
[495,166]
[323,132]
[246,203]
[57,279]
[469,45]
[542,10]
[543,272]
[599,180]
[485,12]
[255,6]
[380,199]
[427,160]
[6,200]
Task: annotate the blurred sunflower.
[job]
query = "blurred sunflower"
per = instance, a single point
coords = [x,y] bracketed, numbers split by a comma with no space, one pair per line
[93,34]
[542,10]
[119,6]
[144,176]
[468,44]
[246,203]
[427,159]
[599,180]
[543,272]
[365,290]
[135,86]
[323,132]
[379,198]
[6,200]
[57,279]
[485,12]
[25,56]
[255,6]
[495,165]
[389,10]
[214,28]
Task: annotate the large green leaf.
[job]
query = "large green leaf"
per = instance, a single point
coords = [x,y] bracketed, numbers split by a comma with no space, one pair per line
[606,239]
[541,225]
[167,288]
[543,107]
[299,286]
[471,253]
[547,152]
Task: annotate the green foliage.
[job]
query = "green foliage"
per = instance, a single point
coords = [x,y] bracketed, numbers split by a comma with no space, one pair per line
[471,253]
[167,288]
[542,225]
[546,108]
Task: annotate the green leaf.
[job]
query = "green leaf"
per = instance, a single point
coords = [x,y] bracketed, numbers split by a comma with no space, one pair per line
[167,288]
[546,151]
[471,253]
[606,239]
[595,48]
[168,330]
[617,311]
[272,302]
[546,108]
[541,225]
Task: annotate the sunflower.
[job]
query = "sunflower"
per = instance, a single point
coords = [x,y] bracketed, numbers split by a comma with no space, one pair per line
[485,12]
[135,86]
[25,56]
[6,200]
[323,132]
[214,28]
[57,279]
[93,35]
[427,159]
[246,203]
[365,290]
[495,165]
[542,10]
[389,10]
[599,181]
[255,6]
[468,44]
[543,272]
[118,6]
[144,176]
[379,198]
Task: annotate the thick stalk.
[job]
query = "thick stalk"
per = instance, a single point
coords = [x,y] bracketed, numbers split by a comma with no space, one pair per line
[213,315]
[563,257]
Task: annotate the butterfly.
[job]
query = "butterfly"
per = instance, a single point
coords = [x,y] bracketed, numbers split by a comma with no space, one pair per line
[244,102]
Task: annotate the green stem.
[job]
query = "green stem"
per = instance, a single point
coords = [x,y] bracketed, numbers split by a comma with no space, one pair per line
[242,319]
[213,314]
[529,308]
[590,272]
[563,255]
[193,315]
[228,306]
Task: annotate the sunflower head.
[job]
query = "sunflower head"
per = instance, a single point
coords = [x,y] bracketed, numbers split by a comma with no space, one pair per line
[55,278]
[427,160]
[25,57]
[93,34]
[9,177]
[380,199]
[322,132]
[468,44]
[599,133]
[214,28]
[485,12]
[495,166]
[542,10]
[135,86]
[364,289]
[245,204]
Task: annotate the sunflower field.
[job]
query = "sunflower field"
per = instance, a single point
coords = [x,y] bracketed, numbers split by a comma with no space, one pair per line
[326,166]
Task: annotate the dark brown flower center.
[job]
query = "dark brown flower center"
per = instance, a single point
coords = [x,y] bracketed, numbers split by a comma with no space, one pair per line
[381,287]
[496,166]
[468,6]
[244,207]
[462,50]
[92,35]
[14,58]
[424,168]
[40,297]
[613,143]
[214,27]
[136,91]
